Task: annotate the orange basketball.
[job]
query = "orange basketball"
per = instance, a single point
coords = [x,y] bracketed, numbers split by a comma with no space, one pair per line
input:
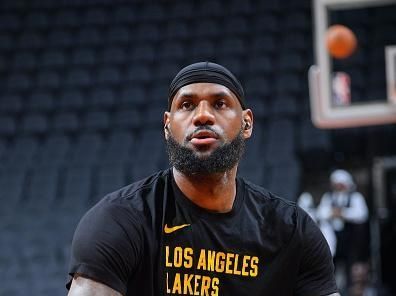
[341,41]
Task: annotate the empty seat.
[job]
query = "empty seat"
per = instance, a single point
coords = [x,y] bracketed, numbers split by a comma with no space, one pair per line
[38,19]
[236,26]
[151,149]
[78,77]
[296,41]
[109,76]
[152,12]
[66,122]
[207,28]
[178,30]
[210,8]
[292,62]
[21,153]
[89,36]
[86,149]
[237,7]
[288,84]
[284,106]
[12,184]
[42,189]
[95,16]
[53,58]
[118,34]
[7,126]
[266,23]
[127,119]
[281,142]
[234,64]
[19,81]
[76,189]
[60,38]
[24,60]
[10,21]
[263,45]
[30,40]
[139,73]
[114,55]
[183,10]
[41,102]
[7,41]
[83,56]
[11,103]
[259,65]
[119,149]
[67,18]
[285,180]
[166,71]
[34,124]
[96,121]
[48,79]
[202,49]
[132,96]
[298,20]
[258,86]
[102,97]
[143,52]
[71,100]
[124,14]
[148,32]
[171,51]
[53,152]
[110,178]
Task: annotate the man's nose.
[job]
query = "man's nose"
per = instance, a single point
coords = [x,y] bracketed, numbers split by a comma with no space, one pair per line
[203,114]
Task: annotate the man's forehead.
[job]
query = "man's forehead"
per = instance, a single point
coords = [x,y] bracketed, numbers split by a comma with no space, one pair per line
[205,89]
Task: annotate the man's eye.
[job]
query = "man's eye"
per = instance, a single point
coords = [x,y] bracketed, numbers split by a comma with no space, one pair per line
[220,104]
[186,105]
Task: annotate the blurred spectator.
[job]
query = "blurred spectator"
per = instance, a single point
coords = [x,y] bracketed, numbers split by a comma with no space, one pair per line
[346,211]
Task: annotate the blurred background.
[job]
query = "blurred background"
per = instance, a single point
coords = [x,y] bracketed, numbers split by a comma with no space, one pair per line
[83,88]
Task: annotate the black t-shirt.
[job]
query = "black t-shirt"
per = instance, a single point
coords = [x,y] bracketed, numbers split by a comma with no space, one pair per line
[149,239]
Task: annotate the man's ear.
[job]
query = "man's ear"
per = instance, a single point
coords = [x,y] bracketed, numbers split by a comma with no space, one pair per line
[247,115]
[166,124]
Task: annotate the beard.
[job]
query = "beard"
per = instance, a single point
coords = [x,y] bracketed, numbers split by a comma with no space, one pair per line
[190,163]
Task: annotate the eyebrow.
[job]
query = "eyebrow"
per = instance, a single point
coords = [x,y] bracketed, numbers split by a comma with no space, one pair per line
[217,95]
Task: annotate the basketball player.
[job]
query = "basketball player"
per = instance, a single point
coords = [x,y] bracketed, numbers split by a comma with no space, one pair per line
[197,229]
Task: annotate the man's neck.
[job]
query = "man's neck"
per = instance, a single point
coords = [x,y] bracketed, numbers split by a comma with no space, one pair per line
[215,192]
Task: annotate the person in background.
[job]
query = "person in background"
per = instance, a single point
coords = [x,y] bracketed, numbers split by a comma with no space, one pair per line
[346,211]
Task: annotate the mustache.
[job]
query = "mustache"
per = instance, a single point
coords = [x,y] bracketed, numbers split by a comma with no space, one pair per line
[202,128]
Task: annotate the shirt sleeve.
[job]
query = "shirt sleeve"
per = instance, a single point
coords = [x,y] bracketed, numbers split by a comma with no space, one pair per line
[325,208]
[357,212]
[105,245]
[316,272]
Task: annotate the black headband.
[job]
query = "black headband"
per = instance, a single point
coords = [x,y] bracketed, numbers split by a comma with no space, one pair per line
[206,72]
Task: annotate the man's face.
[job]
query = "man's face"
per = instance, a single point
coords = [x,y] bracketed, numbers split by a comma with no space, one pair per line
[340,187]
[205,126]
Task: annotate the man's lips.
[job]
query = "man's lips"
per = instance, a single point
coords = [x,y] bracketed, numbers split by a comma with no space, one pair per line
[203,137]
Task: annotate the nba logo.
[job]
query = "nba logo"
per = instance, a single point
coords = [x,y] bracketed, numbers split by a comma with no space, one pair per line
[341,86]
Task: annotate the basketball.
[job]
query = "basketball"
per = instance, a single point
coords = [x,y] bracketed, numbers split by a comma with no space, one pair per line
[341,42]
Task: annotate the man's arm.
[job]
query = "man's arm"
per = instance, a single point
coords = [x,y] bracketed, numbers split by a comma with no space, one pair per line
[82,286]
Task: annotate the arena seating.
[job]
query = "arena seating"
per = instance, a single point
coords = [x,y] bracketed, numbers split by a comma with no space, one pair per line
[84,86]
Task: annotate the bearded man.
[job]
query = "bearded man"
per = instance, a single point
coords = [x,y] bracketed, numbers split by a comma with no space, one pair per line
[196,228]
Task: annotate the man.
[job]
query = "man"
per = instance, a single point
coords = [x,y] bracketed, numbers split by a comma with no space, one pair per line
[197,229]
[346,211]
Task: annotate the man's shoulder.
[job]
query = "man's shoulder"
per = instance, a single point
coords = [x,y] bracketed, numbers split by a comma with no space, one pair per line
[269,202]
[138,193]
[267,196]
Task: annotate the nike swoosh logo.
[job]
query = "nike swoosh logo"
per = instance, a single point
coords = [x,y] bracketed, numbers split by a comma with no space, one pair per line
[174,228]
